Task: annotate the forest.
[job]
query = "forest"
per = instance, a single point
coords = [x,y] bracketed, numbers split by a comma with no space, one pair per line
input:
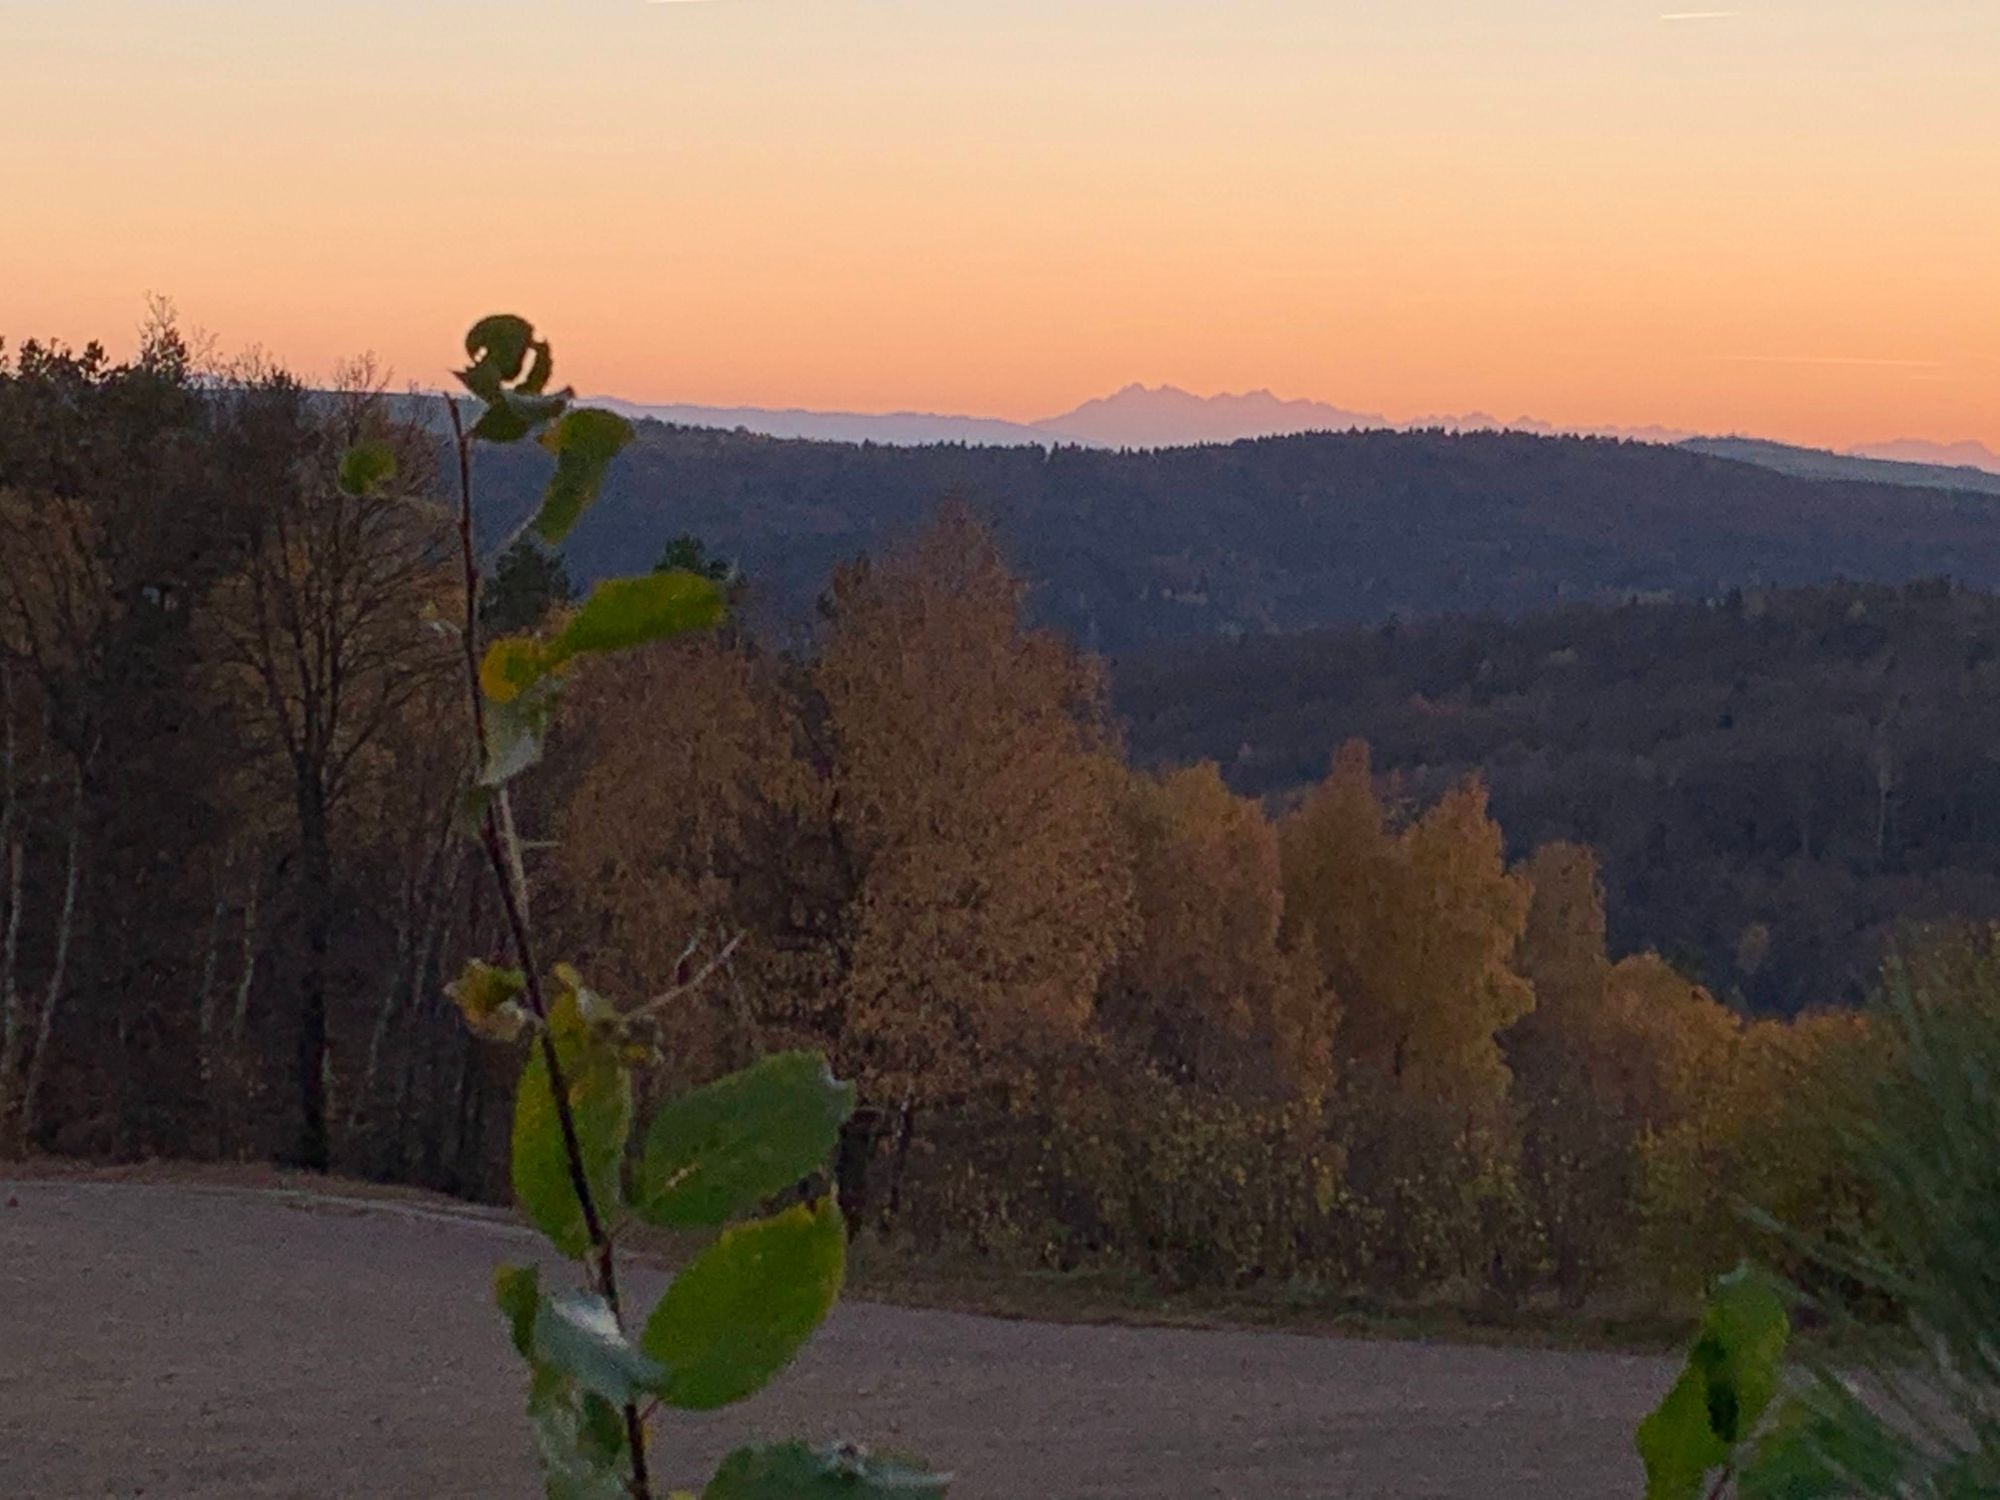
[1098,1015]
[1126,550]
[1776,781]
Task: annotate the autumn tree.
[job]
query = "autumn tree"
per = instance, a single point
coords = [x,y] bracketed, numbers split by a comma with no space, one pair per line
[1416,929]
[698,815]
[975,779]
[1415,920]
[1206,987]
[1578,1163]
[914,833]
[1562,950]
[1762,1126]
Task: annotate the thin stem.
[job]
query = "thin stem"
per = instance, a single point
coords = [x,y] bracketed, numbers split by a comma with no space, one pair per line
[662,1000]
[497,839]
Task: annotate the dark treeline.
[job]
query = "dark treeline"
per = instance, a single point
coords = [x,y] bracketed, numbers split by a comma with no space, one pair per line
[1097,1015]
[225,795]
[1127,549]
[1774,782]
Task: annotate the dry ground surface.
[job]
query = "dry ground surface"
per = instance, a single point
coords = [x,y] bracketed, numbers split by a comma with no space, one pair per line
[201,1341]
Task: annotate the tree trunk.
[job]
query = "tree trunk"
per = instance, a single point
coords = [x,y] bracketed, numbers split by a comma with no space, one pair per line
[10,945]
[38,1061]
[906,1130]
[211,970]
[11,1034]
[417,925]
[246,978]
[851,1165]
[309,1149]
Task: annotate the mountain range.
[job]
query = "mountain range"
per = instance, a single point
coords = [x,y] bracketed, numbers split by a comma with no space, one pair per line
[1141,416]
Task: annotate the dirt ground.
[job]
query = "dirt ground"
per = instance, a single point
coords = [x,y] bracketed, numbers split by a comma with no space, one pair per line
[201,1342]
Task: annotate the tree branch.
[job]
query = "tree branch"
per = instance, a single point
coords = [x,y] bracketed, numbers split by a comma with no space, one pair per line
[501,854]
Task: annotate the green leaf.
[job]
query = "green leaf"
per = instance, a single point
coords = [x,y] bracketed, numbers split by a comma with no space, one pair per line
[725,1148]
[516,403]
[584,443]
[741,1311]
[600,1098]
[624,612]
[580,1440]
[499,347]
[367,466]
[576,1333]
[578,1011]
[489,999]
[1678,1444]
[1728,1382]
[601,1430]
[537,378]
[516,731]
[1827,1445]
[511,666]
[517,1289]
[793,1471]
[511,416]
[1741,1350]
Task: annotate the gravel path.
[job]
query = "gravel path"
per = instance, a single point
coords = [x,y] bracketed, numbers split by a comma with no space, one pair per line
[201,1343]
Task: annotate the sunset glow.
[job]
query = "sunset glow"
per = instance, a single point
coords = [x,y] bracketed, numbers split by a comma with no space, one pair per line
[1780,218]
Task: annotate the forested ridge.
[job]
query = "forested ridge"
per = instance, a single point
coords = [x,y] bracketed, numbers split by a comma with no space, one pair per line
[1775,782]
[1097,1015]
[1123,550]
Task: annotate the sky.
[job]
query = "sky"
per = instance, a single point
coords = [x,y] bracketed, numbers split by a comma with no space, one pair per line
[1768,216]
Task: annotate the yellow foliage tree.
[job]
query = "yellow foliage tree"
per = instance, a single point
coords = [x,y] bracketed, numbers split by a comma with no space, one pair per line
[1562,952]
[1763,1131]
[1577,1166]
[1416,930]
[975,781]
[1206,988]
[1415,926]
[695,816]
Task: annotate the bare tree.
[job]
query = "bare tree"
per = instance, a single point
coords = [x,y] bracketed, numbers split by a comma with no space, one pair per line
[327,624]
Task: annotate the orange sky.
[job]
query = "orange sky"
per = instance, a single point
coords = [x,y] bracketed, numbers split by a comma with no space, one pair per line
[1783,220]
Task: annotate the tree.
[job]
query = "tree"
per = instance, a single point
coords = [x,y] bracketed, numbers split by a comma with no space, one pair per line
[1416,929]
[113,526]
[695,815]
[1746,1116]
[1562,949]
[528,581]
[326,625]
[1578,1158]
[689,554]
[975,784]
[1415,926]
[1204,986]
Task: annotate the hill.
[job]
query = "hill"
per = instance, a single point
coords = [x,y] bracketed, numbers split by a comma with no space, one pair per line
[1279,534]
[907,428]
[1772,782]
[1817,463]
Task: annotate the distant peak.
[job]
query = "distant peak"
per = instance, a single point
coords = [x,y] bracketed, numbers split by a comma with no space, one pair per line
[1166,416]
